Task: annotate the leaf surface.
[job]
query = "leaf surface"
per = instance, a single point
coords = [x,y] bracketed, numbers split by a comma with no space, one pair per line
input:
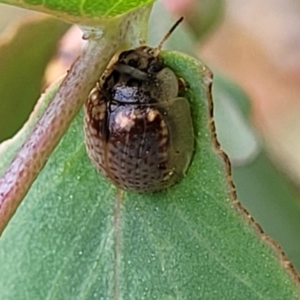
[86,12]
[266,192]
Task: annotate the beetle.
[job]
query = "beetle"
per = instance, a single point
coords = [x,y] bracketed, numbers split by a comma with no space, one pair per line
[138,131]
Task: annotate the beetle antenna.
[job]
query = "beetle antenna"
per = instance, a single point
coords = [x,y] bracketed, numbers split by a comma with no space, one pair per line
[168,34]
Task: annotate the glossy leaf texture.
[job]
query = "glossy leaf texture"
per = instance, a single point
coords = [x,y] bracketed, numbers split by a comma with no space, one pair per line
[75,237]
[87,12]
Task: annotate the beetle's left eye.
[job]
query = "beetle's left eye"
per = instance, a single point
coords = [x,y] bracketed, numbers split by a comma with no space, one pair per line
[154,68]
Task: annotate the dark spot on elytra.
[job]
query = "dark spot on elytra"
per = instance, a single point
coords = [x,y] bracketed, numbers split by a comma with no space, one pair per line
[162,166]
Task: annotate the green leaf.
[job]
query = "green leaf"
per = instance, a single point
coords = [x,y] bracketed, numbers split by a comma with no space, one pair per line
[267,193]
[273,201]
[89,12]
[24,55]
[74,237]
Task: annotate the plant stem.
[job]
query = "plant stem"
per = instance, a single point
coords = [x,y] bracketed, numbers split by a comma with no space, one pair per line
[69,99]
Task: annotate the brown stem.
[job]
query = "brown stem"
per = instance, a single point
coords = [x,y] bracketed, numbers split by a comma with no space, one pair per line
[73,91]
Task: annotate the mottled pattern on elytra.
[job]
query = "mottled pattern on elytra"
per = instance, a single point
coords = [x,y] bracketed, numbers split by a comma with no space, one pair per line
[140,153]
[137,150]
[135,156]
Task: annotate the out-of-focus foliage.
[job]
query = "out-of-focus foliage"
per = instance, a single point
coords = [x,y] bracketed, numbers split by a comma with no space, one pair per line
[24,54]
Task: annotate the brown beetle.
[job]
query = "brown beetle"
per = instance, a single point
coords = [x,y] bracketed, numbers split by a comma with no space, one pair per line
[138,132]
